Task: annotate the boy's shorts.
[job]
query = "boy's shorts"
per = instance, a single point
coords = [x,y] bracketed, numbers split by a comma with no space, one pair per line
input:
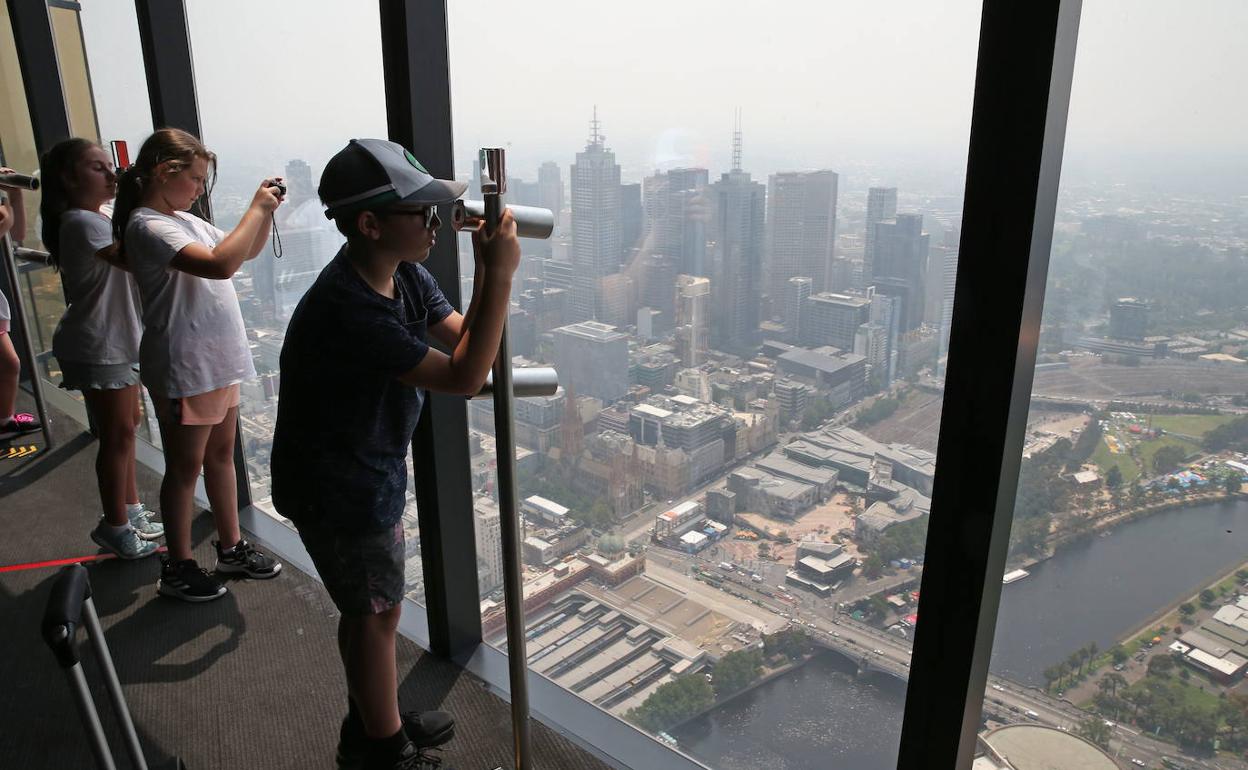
[362,571]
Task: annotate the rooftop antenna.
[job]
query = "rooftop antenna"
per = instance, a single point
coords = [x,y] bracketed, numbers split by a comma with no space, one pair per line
[595,134]
[736,143]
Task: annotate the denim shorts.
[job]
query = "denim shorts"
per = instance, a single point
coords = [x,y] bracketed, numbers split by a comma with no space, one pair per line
[362,571]
[78,376]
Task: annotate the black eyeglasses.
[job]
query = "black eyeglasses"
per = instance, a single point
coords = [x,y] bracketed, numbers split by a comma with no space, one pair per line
[430,214]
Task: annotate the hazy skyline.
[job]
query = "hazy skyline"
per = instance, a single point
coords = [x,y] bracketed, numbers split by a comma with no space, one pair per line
[861,89]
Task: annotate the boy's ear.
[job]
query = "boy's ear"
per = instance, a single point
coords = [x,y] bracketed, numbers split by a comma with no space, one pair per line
[368,224]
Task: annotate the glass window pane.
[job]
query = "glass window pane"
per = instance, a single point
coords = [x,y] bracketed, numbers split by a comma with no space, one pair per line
[282,109]
[747,298]
[1123,616]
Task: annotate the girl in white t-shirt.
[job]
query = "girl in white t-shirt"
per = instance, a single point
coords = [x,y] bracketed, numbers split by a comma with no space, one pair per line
[96,342]
[194,351]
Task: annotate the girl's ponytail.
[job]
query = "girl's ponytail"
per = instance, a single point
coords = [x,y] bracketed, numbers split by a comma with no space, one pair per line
[129,193]
[171,146]
[56,164]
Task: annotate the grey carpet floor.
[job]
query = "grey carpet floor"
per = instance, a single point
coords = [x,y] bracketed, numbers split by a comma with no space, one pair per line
[250,680]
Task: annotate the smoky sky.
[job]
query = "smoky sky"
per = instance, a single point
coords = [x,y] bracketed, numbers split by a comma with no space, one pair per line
[878,91]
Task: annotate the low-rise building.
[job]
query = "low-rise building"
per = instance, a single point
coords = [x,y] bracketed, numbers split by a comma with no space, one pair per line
[1219,646]
[759,492]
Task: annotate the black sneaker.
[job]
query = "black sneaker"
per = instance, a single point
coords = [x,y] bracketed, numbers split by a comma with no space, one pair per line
[425,729]
[185,580]
[409,758]
[244,559]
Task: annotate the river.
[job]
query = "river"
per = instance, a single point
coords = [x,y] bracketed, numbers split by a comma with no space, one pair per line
[1099,589]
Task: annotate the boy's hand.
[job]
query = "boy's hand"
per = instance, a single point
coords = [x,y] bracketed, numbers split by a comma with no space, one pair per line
[498,253]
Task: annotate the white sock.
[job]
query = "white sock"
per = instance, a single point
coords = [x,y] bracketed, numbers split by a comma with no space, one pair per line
[134,509]
[117,530]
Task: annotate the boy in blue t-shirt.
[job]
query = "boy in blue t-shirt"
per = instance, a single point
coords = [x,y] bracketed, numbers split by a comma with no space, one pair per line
[354,367]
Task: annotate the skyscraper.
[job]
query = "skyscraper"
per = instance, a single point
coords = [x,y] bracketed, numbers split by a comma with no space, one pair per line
[833,319]
[592,359]
[881,207]
[693,319]
[795,305]
[299,186]
[676,213]
[596,246]
[900,266]
[736,263]
[949,280]
[801,227]
[631,219]
[550,187]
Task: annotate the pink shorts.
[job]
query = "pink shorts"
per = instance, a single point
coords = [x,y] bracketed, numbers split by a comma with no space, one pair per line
[200,409]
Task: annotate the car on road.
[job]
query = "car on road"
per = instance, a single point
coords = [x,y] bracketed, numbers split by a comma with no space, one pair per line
[878,652]
[837,634]
[1031,714]
[1137,762]
[998,688]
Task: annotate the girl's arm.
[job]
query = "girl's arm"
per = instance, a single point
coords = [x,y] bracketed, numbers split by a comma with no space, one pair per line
[113,256]
[17,226]
[223,260]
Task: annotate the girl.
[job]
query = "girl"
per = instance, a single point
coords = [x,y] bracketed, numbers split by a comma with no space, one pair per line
[194,350]
[12,425]
[97,340]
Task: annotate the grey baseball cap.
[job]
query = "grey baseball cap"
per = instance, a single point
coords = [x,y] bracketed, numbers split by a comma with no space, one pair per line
[374,174]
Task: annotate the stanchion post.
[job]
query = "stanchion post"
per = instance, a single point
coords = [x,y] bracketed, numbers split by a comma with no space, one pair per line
[493,185]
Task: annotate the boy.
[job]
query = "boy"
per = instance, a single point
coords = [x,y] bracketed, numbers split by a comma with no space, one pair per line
[354,367]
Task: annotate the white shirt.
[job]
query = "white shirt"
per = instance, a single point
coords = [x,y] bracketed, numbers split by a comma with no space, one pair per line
[193,335]
[101,322]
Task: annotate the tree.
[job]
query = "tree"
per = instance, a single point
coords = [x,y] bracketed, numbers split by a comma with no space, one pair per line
[672,703]
[1075,661]
[1208,597]
[1119,654]
[1168,458]
[873,566]
[1187,610]
[1093,649]
[736,670]
[1111,682]
[1095,730]
[1051,675]
[1232,484]
[1160,665]
[1113,479]
[764,549]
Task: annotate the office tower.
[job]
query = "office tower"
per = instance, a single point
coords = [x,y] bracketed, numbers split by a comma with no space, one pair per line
[934,289]
[676,213]
[833,319]
[693,319]
[900,267]
[881,207]
[736,272]
[949,278]
[299,186]
[592,360]
[1128,319]
[801,227]
[596,223]
[795,305]
[550,187]
[489,539]
[632,220]
[886,315]
[657,275]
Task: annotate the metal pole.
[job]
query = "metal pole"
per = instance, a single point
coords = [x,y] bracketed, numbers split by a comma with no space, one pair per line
[90,717]
[493,185]
[19,313]
[115,696]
